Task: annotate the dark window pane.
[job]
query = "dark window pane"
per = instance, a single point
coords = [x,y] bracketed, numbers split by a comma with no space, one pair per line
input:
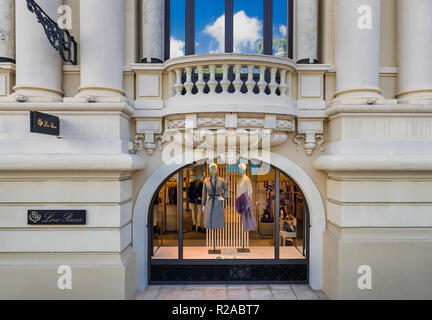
[209,26]
[177,28]
[280,11]
[248,26]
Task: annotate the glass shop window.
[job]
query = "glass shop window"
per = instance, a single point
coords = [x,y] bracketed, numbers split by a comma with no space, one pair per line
[194,231]
[224,229]
[229,211]
[292,220]
[165,221]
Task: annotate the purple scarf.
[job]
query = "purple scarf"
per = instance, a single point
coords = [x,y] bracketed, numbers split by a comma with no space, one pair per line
[244,208]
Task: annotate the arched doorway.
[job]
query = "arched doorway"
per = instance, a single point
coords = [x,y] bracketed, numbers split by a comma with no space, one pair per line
[182,264]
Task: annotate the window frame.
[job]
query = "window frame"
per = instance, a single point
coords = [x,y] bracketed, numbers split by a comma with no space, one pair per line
[229,27]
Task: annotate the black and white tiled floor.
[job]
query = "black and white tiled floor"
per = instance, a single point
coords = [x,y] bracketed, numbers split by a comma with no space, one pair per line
[231,292]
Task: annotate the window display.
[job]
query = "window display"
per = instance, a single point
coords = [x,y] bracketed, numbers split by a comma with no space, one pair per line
[243,211]
[244,205]
[194,191]
[215,192]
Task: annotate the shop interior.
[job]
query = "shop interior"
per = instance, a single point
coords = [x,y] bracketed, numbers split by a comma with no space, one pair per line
[226,233]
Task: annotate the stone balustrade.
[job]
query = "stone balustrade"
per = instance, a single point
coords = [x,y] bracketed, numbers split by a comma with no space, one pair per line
[230,74]
[233,82]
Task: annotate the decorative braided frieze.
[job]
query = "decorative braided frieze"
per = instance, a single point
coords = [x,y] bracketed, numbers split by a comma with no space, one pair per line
[180,124]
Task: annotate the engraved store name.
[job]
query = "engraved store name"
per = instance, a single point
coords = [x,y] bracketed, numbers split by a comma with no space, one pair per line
[44,123]
[56,217]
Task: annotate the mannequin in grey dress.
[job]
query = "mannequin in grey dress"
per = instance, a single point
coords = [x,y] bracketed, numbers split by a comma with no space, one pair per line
[213,202]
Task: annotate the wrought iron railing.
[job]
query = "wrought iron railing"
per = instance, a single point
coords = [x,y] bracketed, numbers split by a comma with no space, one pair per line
[60,39]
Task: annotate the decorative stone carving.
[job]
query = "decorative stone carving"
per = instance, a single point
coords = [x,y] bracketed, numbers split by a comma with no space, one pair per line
[287,125]
[310,142]
[283,125]
[148,141]
[149,134]
[204,130]
[211,122]
[176,124]
[251,123]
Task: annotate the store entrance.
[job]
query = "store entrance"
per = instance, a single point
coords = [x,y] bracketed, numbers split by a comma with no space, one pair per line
[241,223]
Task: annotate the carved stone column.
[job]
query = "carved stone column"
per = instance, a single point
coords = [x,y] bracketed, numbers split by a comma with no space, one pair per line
[7,31]
[102,50]
[415,51]
[152,31]
[307,31]
[39,66]
[358,25]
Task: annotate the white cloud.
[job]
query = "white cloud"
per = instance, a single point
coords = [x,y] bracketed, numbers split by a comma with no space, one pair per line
[247,31]
[283,30]
[217,31]
[176,47]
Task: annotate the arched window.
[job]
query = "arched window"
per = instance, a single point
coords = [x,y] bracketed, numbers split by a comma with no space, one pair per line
[188,244]
[227,26]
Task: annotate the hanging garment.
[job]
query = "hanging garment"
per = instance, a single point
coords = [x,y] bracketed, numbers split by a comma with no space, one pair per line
[172,195]
[244,185]
[213,205]
[195,192]
[245,210]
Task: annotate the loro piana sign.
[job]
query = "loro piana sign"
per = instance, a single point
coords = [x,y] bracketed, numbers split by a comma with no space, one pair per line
[44,123]
[56,217]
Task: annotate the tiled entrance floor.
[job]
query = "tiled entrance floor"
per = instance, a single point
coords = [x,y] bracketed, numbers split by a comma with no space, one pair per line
[231,292]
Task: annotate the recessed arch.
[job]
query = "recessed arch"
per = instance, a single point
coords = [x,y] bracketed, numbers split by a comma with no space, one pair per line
[296,173]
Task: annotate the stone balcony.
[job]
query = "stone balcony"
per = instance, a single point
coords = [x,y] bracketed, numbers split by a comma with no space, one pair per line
[233,90]
[231,82]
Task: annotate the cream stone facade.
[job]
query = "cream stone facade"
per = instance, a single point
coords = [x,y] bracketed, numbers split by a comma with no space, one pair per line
[354,131]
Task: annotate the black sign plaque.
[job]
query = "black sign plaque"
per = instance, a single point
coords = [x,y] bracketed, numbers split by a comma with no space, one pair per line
[56,217]
[44,123]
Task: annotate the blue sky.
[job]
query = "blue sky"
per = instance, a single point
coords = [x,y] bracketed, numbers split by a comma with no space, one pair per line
[209,25]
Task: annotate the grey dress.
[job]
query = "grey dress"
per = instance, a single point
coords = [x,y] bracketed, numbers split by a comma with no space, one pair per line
[213,206]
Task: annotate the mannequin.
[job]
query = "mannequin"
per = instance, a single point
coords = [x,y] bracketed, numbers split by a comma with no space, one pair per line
[213,202]
[195,193]
[244,185]
[244,204]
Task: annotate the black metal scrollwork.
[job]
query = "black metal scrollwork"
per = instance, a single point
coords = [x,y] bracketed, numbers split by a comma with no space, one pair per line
[59,38]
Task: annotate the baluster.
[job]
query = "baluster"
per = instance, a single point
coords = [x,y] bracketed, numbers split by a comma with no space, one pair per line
[237,82]
[225,83]
[283,85]
[188,84]
[212,83]
[262,84]
[289,84]
[172,82]
[200,84]
[178,85]
[273,84]
[250,83]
